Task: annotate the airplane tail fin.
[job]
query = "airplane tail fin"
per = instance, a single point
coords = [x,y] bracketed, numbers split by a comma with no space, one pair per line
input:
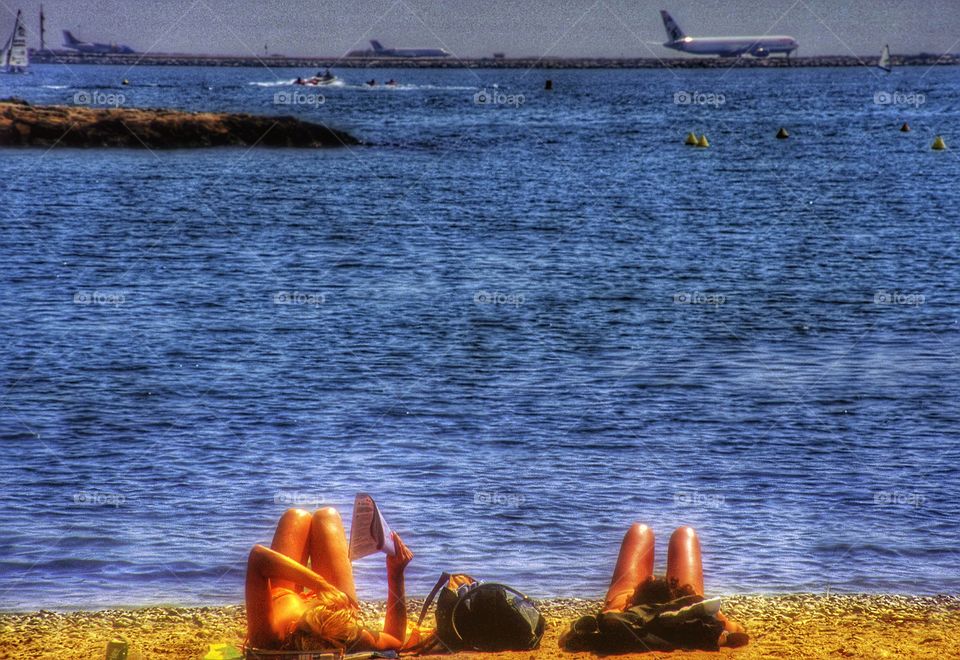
[377,46]
[71,40]
[674,33]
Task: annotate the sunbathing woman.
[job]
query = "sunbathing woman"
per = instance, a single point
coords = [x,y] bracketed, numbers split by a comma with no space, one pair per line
[293,606]
[633,584]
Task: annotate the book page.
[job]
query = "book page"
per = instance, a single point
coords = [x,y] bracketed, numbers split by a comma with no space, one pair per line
[369,532]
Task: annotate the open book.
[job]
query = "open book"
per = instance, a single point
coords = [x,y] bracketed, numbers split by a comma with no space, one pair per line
[369,532]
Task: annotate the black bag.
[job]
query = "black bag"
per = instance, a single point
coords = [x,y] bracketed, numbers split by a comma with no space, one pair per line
[479,616]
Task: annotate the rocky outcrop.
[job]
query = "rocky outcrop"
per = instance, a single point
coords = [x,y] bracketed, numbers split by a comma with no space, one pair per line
[22,124]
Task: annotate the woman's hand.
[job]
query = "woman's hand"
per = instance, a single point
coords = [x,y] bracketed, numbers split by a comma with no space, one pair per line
[400,558]
[395,622]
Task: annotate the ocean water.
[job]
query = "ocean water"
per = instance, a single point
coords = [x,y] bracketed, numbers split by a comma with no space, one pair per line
[521,325]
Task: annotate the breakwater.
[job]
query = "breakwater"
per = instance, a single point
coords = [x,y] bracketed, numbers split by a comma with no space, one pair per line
[157,59]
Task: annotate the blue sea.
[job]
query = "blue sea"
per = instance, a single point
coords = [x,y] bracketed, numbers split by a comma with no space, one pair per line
[520,319]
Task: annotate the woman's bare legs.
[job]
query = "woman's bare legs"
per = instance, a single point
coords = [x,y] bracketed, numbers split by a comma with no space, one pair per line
[292,538]
[684,563]
[300,536]
[319,538]
[634,565]
[329,552]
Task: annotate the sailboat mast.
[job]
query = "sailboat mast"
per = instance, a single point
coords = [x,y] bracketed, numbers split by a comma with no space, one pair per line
[43,46]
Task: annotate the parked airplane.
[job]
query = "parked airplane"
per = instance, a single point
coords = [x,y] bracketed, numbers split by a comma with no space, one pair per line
[726,46]
[86,47]
[380,51]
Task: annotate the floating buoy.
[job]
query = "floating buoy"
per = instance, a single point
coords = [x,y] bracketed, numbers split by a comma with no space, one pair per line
[691,140]
[905,128]
[548,85]
[782,134]
[126,82]
[703,143]
[939,144]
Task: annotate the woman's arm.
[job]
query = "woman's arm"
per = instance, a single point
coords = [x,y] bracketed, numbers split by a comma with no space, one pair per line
[276,565]
[395,622]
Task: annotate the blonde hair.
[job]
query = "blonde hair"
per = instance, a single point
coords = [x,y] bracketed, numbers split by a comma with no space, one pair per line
[331,621]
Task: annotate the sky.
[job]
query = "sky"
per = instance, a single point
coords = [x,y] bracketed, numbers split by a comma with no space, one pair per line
[473,28]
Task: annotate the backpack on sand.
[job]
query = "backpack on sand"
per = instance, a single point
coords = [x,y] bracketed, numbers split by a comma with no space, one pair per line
[481,616]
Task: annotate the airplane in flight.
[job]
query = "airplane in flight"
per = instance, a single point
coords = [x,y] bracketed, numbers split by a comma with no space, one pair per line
[71,42]
[726,46]
[380,51]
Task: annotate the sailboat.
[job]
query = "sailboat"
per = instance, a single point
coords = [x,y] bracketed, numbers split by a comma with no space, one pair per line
[15,58]
[884,62]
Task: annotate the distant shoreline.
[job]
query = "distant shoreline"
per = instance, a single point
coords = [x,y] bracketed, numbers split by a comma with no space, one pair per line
[63,57]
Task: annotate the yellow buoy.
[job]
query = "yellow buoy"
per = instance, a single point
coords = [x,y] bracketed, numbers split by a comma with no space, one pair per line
[703,142]
[939,144]
[905,128]
[126,82]
[691,140]
[782,134]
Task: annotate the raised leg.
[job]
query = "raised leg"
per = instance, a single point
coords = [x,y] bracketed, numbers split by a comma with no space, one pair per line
[634,565]
[684,563]
[292,539]
[329,552]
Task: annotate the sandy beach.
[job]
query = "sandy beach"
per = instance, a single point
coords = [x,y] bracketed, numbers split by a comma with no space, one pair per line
[790,626]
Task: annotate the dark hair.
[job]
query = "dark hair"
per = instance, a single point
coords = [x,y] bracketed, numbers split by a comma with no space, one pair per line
[654,591]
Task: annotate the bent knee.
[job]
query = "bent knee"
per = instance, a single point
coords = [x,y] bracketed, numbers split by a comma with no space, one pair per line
[328,515]
[256,552]
[684,533]
[639,529]
[296,514]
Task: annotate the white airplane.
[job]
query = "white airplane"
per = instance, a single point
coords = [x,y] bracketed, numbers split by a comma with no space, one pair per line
[71,42]
[380,51]
[726,46]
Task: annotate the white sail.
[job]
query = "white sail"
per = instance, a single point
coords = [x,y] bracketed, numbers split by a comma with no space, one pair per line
[885,60]
[15,57]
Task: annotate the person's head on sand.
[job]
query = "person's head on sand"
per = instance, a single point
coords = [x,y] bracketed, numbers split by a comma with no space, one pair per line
[330,622]
[656,590]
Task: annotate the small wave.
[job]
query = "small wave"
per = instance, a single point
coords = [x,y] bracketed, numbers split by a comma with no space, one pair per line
[277,83]
[56,86]
[399,87]
[380,86]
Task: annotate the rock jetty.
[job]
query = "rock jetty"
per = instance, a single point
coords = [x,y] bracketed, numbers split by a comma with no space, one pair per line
[22,124]
[279,61]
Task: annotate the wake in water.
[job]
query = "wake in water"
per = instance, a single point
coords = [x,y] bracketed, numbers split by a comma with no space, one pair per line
[379,86]
[293,81]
